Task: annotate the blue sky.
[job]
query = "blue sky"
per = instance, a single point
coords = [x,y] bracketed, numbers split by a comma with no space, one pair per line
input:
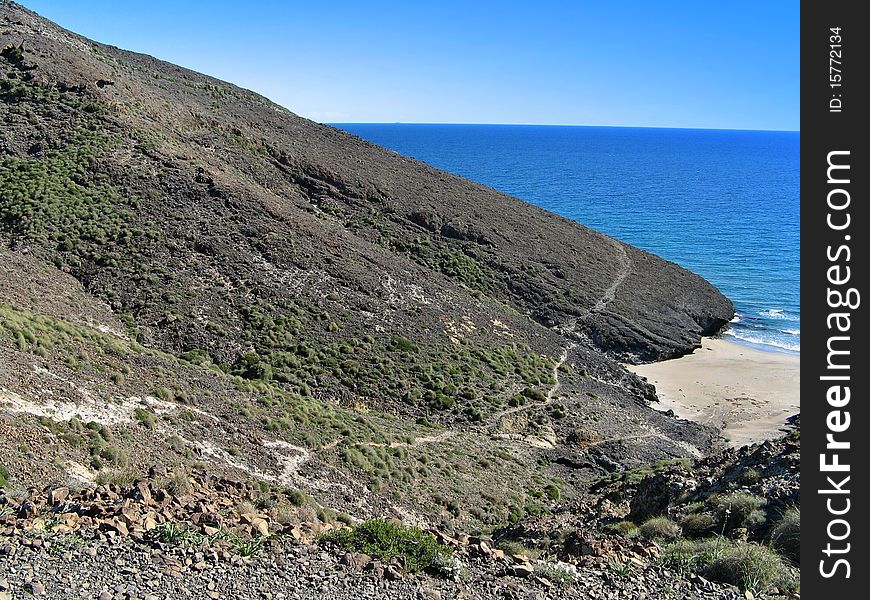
[730,65]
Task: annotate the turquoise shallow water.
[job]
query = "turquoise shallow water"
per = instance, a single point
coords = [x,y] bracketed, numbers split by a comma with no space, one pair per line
[724,204]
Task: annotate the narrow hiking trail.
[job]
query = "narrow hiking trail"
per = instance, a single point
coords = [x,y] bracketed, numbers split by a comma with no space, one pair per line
[420,441]
[691,449]
[624,271]
[552,394]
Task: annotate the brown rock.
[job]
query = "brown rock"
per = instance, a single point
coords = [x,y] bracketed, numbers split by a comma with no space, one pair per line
[445,539]
[393,573]
[520,558]
[61,528]
[58,495]
[356,560]
[260,525]
[114,525]
[522,570]
[144,493]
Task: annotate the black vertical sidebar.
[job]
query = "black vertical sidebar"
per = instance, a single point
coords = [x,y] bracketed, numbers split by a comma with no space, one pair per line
[835,225]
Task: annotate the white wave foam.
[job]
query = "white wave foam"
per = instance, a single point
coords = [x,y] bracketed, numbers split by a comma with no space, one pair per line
[792,331]
[773,313]
[736,318]
[754,339]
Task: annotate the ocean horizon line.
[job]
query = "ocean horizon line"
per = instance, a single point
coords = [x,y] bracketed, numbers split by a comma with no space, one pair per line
[656,127]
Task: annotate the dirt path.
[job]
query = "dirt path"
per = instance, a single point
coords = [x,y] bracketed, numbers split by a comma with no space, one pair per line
[420,441]
[694,451]
[610,292]
[552,394]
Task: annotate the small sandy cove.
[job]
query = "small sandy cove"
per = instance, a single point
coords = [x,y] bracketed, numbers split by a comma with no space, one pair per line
[747,393]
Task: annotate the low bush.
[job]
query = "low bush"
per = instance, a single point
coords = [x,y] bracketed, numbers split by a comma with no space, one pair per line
[177,534]
[660,528]
[146,417]
[515,548]
[786,535]
[119,477]
[625,528]
[560,573]
[698,523]
[750,566]
[386,540]
[739,509]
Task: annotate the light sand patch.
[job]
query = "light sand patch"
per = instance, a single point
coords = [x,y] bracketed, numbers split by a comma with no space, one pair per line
[747,393]
[90,408]
[290,457]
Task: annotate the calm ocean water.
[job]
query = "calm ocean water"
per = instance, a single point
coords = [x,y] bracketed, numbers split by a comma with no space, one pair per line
[724,204]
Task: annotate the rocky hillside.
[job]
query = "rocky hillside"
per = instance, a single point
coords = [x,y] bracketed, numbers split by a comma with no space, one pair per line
[192,275]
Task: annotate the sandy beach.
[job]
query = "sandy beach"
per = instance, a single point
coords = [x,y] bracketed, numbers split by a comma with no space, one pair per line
[748,393]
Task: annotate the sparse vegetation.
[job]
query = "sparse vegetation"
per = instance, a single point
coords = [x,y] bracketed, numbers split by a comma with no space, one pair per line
[698,523]
[660,528]
[118,477]
[146,417]
[786,534]
[177,534]
[386,540]
[517,548]
[738,509]
[624,528]
[176,482]
[748,565]
[561,574]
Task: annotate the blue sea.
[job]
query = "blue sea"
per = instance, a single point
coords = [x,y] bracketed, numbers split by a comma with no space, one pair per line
[724,204]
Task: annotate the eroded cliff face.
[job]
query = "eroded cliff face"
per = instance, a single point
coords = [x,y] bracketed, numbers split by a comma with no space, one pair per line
[238,285]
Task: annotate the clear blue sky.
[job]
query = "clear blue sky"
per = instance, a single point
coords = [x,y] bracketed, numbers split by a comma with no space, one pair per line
[732,65]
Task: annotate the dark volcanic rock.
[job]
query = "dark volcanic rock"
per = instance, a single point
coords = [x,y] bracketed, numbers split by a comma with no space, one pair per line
[191,274]
[243,194]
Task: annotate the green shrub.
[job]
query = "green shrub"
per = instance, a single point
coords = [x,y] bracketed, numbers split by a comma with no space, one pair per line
[385,540]
[561,574]
[697,523]
[146,417]
[176,483]
[552,492]
[738,509]
[4,476]
[165,394]
[624,528]
[748,565]
[197,356]
[515,548]
[786,535]
[750,477]
[660,528]
[177,534]
[119,477]
[534,395]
